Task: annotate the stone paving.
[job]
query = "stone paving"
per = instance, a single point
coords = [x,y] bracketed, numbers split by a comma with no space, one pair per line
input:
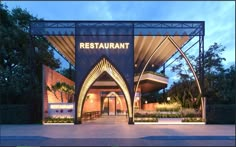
[112,132]
[109,120]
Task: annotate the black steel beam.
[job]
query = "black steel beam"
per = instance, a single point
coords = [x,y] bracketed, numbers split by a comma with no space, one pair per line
[51,27]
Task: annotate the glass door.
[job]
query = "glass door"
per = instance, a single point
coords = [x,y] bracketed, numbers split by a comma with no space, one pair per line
[105,106]
[112,106]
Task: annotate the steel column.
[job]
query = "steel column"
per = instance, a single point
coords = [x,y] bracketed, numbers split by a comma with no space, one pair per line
[201,75]
[164,72]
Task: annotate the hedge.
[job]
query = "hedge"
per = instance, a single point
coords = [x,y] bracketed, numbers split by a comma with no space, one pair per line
[220,114]
[19,114]
[59,120]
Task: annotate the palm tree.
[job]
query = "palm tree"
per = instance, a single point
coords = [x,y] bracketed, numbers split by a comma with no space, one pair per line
[62,87]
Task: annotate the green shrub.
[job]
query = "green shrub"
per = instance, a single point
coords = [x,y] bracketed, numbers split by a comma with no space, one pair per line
[16,114]
[169,115]
[146,119]
[192,119]
[58,120]
[220,114]
[145,115]
[190,115]
[173,107]
[190,112]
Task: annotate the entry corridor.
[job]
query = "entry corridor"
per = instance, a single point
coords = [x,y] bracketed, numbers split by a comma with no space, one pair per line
[108,120]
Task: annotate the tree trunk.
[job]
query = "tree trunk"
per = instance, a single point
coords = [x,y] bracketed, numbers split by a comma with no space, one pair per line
[61,97]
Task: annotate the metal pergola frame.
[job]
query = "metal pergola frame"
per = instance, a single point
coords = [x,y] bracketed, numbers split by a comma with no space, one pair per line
[148,28]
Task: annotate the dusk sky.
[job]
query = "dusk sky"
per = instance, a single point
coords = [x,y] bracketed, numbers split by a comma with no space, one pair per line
[219,16]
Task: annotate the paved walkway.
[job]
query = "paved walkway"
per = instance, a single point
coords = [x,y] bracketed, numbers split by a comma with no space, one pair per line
[108,120]
[124,120]
[118,134]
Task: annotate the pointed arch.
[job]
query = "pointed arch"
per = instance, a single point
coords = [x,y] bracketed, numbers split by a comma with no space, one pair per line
[103,66]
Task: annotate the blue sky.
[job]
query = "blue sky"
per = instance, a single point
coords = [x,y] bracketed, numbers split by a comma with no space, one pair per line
[219,16]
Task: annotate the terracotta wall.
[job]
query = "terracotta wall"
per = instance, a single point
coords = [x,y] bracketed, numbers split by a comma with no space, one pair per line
[50,77]
[150,106]
[93,102]
[121,104]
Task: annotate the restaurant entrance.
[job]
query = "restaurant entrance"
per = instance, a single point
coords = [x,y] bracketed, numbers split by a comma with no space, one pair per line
[113,103]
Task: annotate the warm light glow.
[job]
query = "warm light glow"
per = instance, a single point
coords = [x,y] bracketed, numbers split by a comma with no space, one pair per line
[90,95]
[59,106]
[101,45]
[146,102]
[106,99]
[168,98]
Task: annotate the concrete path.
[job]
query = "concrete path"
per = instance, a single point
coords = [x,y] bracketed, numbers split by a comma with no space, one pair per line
[108,120]
[118,134]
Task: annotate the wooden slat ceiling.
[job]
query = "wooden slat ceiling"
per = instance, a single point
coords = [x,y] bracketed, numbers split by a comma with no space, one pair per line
[65,45]
[144,46]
